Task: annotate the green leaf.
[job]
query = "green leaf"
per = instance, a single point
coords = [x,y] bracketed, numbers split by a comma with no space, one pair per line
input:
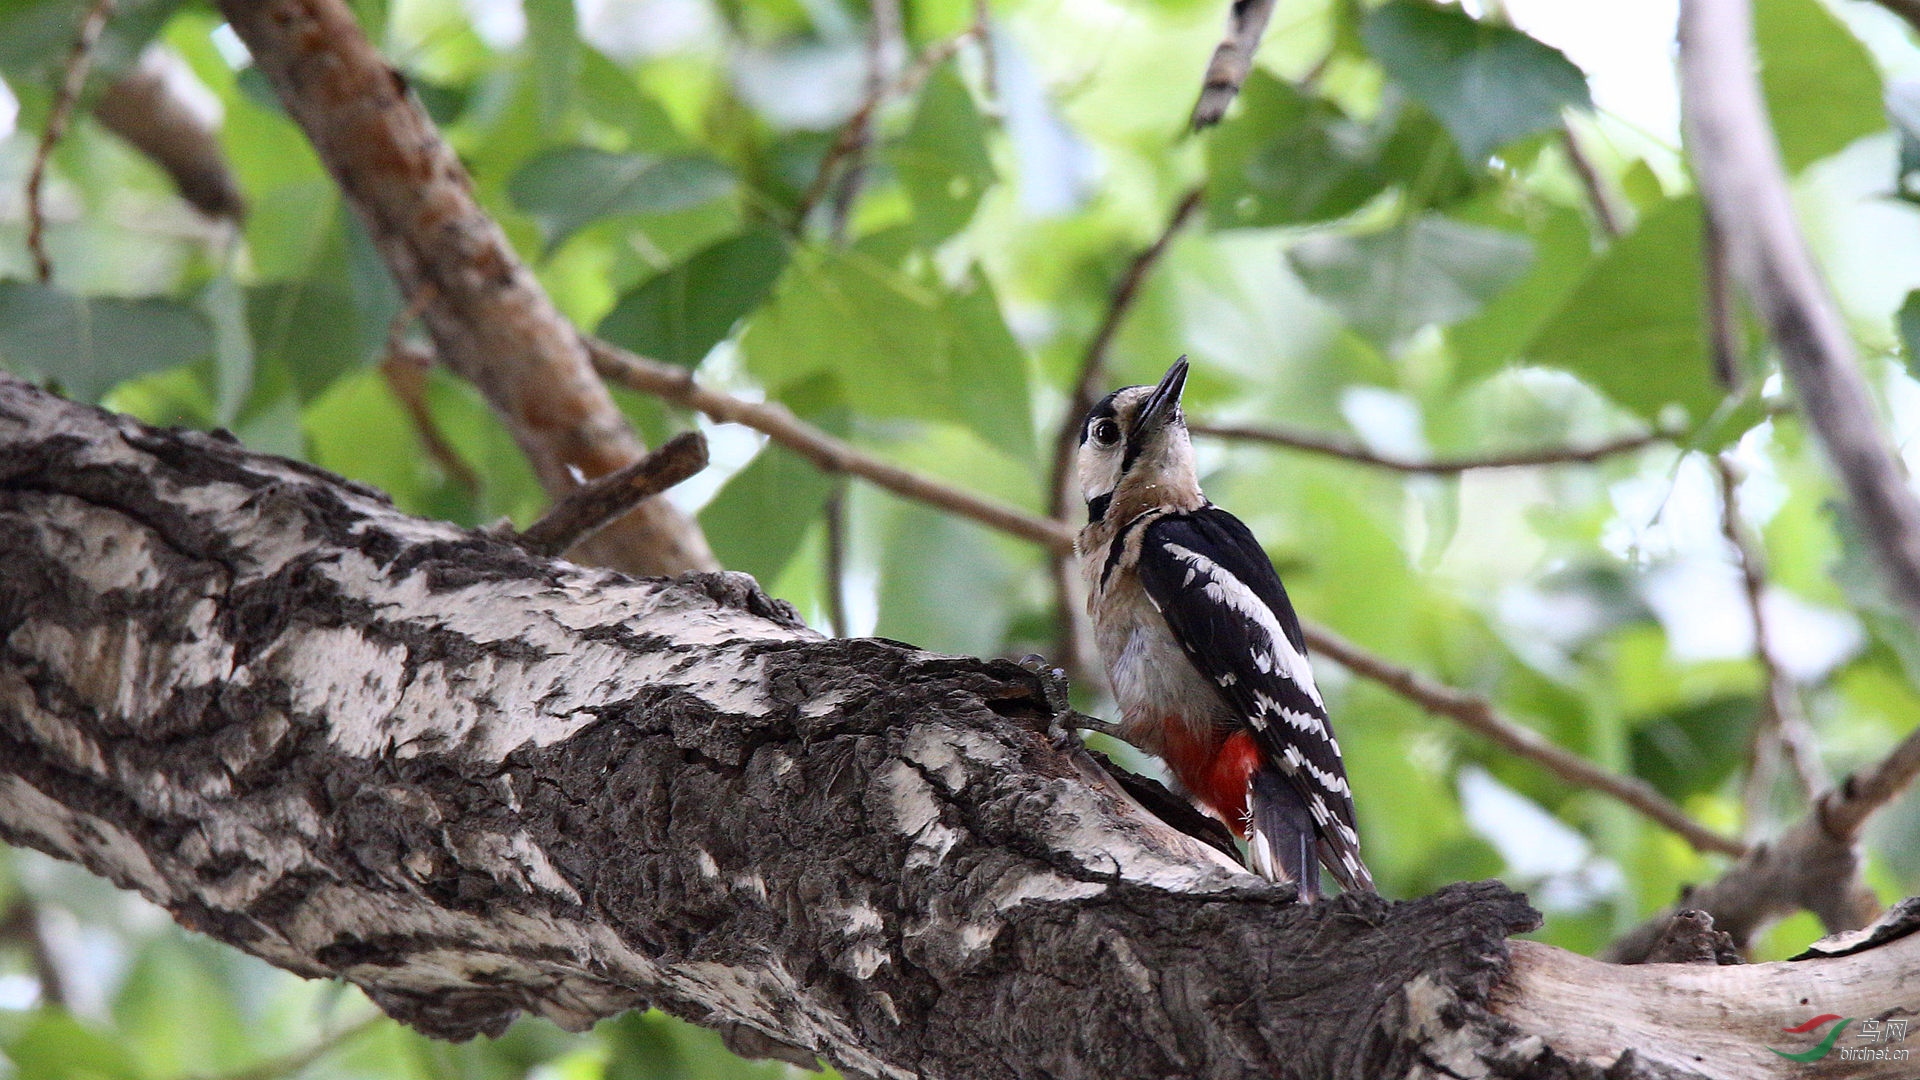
[1286,158]
[876,330]
[1695,748]
[89,344]
[306,330]
[553,37]
[760,517]
[943,584]
[225,306]
[1489,84]
[1822,87]
[987,371]
[942,160]
[55,1046]
[1909,322]
[1389,284]
[1632,328]
[680,315]
[571,187]
[1493,338]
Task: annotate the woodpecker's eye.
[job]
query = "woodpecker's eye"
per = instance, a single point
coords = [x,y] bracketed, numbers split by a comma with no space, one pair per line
[1106,433]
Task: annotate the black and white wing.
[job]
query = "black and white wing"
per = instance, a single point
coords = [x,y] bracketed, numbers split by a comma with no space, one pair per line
[1218,592]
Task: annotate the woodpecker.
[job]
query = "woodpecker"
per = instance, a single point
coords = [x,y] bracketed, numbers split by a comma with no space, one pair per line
[1203,648]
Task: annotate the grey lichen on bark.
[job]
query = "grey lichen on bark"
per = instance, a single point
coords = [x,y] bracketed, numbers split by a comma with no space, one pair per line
[476,783]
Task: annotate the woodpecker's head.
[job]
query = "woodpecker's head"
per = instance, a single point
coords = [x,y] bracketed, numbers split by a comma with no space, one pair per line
[1134,452]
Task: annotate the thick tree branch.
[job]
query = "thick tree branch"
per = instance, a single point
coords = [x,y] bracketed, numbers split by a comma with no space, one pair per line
[488,317]
[1744,186]
[476,782]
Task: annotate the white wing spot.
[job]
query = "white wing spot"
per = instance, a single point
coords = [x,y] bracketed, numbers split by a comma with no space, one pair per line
[1223,588]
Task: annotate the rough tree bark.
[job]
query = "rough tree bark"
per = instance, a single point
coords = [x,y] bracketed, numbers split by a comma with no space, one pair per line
[489,318]
[476,782]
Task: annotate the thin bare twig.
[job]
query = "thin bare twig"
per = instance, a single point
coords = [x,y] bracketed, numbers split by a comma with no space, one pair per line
[835,512]
[1350,450]
[591,506]
[1744,188]
[75,78]
[405,370]
[1782,726]
[1232,60]
[677,385]
[1477,714]
[1093,363]
[1606,210]
[22,923]
[853,134]
[881,42]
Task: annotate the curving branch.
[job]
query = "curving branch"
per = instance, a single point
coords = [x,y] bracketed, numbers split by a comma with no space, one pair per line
[1477,714]
[1744,186]
[828,454]
[488,317]
[73,79]
[1814,865]
[1352,450]
[475,782]
[1232,61]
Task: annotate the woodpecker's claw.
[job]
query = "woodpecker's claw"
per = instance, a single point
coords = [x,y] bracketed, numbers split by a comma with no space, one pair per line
[1066,723]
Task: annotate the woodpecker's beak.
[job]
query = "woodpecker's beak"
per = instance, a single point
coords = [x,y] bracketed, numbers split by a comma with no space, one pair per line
[1165,400]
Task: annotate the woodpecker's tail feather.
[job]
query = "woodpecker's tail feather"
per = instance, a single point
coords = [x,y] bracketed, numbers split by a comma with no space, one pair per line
[1281,834]
[1285,843]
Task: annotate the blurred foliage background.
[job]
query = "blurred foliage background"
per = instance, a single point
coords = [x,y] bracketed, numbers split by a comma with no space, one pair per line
[1407,242]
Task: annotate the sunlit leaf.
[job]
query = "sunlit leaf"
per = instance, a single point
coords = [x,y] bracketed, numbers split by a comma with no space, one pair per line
[553,37]
[1822,87]
[1641,343]
[88,344]
[942,161]
[1489,84]
[1286,158]
[568,188]
[761,516]
[1431,271]
[679,315]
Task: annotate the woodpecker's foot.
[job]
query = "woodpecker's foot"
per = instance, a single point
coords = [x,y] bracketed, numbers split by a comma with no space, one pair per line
[1065,724]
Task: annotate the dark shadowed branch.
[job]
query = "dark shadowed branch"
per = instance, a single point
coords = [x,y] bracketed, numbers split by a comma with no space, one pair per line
[588,508]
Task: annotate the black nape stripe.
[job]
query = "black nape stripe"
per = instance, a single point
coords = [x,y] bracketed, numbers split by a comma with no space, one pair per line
[1097,507]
